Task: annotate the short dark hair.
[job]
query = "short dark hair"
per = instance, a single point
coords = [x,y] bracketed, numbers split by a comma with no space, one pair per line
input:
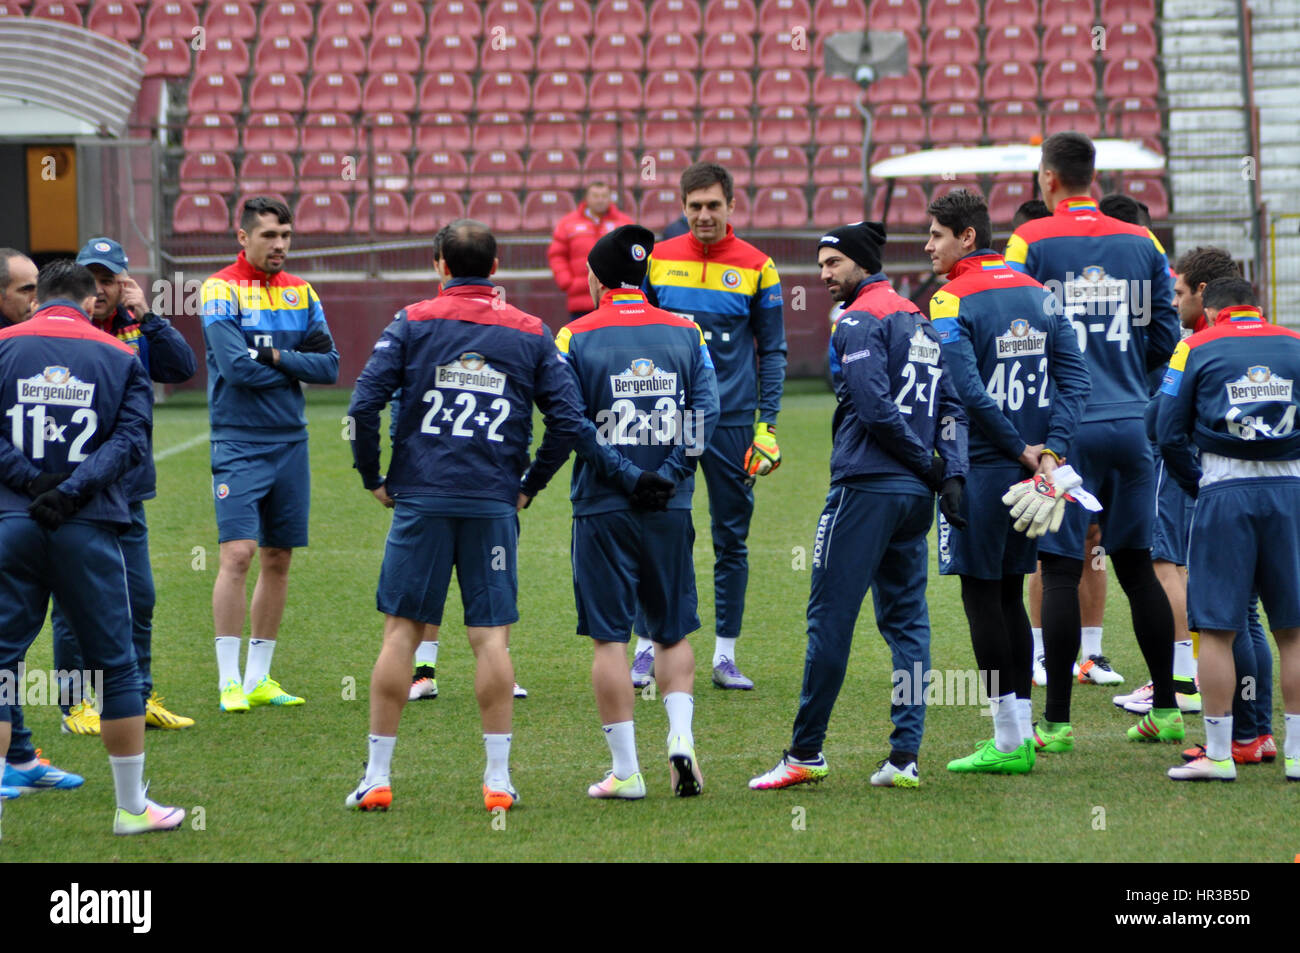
[468,248]
[1028,211]
[64,278]
[1203,264]
[961,209]
[702,175]
[1125,208]
[260,205]
[1225,292]
[1073,157]
[439,237]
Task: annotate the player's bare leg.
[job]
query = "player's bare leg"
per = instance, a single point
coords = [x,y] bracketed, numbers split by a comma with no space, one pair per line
[229,608]
[269,597]
[615,698]
[494,679]
[1039,676]
[1092,613]
[1288,650]
[424,682]
[388,687]
[675,676]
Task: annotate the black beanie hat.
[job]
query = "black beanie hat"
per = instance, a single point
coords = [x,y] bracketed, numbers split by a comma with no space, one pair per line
[620,259]
[860,241]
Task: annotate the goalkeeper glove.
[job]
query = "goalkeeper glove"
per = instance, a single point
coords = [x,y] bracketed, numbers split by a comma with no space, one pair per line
[51,508]
[1038,505]
[652,492]
[318,342]
[763,455]
[950,502]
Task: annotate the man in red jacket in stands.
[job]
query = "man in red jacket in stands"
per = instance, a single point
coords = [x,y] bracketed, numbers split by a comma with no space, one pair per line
[576,233]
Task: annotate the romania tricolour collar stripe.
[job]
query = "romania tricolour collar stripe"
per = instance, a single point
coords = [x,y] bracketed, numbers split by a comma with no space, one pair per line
[1244,313]
[993,264]
[627,298]
[1077,205]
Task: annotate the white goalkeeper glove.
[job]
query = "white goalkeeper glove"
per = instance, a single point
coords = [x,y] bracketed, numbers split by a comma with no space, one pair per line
[1038,504]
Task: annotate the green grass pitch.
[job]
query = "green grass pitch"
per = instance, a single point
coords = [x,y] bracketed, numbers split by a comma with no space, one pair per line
[270,784]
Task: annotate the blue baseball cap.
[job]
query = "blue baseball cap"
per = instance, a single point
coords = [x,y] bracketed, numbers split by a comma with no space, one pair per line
[103,251]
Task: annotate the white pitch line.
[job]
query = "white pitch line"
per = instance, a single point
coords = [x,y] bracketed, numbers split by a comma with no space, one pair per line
[181,447]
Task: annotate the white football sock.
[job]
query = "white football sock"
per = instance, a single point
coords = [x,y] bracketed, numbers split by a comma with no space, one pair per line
[258,664]
[227,659]
[1038,641]
[1090,636]
[1218,738]
[1291,744]
[723,647]
[621,738]
[128,781]
[644,645]
[1006,723]
[1025,711]
[427,653]
[681,709]
[498,758]
[1184,663]
[380,761]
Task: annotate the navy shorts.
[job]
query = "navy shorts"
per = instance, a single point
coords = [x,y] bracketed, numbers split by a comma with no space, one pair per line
[419,556]
[262,491]
[1173,520]
[988,548]
[1245,534]
[625,558]
[1114,459]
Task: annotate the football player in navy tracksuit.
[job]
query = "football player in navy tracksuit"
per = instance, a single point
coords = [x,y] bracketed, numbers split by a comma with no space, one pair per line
[1015,364]
[896,407]
[649,390]
[470,369]
[77,406]
[1113,282]
[1230,390]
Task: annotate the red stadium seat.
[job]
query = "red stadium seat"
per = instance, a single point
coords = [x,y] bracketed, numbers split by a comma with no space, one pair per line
[340,53]
[614,17]
[1134,118]
[944,14]
[1013,121]
[1150,192]
[780,51]
[1131,41]
[329,132]
[1067,41]
[1012,42]
[725,50]
[230,18]
[670,89]
[216,93]
[276,92]
[667,165]
[58,10]
[834,205]
[223,55]
[778,208]
[442,130]
[735,159]
[286,18]
[445,91]
[659,207]
[553,169]
[1011,80]
[388,92]
[832,90]
[896,89]
[270,131]
[1129,11]
[440,169]
[322,213]
[392,172]
[674,16]
[843,124]
[955,124]
[1127,78]
[944,186]
[1056,12]
[508,53]
[789,124]
[392,217]
[955,82]
[852,14]
[783,16]
[565,17]
[907,205]
[174,20]
[503,91]
[345,17]
[727,126]
[1078,114]
[560,92]
[334,92]
[499,130]
[1004,13]
[207,172]
[391,53]
[614,90]
[390,131]
[398,17]
[450,53]
[203,214]
[456,18]
[563,52]
[726,86]
[118,21]
[952,45]
[1005,198]
[281,54]
[434,209]
[673,51]
[499,210]
[166,57]
[881,153]
[513,16]
[328,171]
[781,165]
[731,16]
[543,209]
[210,132]
[740,216]
[554,130]
[617,51]
[668,129]
[1069,78]
[605,164]
[267,172]
[783,87]
[837,165]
